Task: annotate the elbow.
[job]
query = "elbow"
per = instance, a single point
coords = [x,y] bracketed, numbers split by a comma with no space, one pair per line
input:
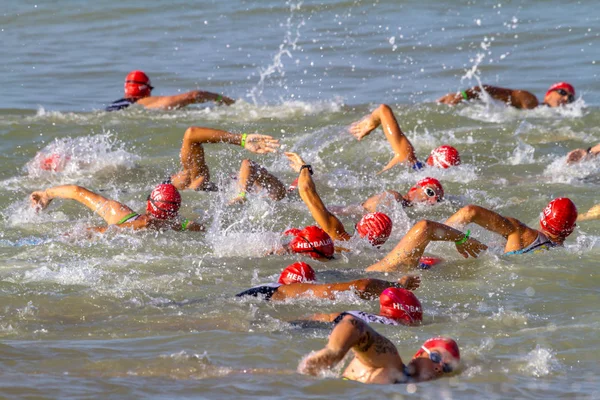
[384,108]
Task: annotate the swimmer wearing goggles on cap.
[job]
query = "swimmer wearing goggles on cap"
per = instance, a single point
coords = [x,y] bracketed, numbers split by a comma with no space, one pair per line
[138,90]
[558,95]
[376,359]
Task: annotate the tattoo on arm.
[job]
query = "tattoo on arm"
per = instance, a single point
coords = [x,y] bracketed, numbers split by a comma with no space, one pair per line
[383,346]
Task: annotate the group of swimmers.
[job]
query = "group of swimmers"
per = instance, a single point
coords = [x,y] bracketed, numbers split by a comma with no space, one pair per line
[376,359]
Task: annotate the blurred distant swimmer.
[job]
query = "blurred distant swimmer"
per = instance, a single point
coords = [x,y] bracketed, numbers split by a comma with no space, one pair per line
[559,94]
[195,173]
[298,280]
[557,222]
[404,153]
[161,211]
[579,155]
[376,359]
[592,213]
[138,90]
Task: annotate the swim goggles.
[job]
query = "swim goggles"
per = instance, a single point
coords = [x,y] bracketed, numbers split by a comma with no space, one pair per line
[436,358]
[563,92]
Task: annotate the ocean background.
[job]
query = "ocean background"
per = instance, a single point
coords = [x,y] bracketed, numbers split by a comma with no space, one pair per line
[148,315]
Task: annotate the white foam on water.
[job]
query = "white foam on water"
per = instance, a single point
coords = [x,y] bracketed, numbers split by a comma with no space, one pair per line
[558,171]
[540,362]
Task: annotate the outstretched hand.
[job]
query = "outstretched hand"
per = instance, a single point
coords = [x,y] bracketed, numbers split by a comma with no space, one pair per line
[471,247]
[296,162]
[39,200]
[261,144]
[451,99]
[576,156]
[410,282]
[226,100]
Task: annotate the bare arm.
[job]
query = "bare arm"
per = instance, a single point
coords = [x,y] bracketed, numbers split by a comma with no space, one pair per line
[483,217]
[182,100]
[111,211]
[516,98]
[308,192]
[592,213]
[371,348]
[578,155]
[407,252]
[384,199]
[403,149]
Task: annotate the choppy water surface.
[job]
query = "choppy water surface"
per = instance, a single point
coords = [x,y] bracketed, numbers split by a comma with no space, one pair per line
[153,315]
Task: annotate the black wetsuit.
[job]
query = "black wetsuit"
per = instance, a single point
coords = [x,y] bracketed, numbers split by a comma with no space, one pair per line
[120,104]
[267,290]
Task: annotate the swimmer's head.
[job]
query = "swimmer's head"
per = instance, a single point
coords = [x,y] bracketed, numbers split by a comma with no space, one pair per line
[401,305]
[444,157]
[164,201]
[53,162]
[137,85]
[443,353]
[558,218]
[559,94]
[376,227]
[297,272]
[427,190]
[311,241]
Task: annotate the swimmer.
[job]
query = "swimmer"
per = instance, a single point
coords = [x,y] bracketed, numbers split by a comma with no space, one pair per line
[558,95]
[397,306]
[426,191]
[138,90]
[557,222]
[161,210]
[298,280]
[195,174]
[311,241]
[592,213]
[579,155]
[404,153]
[376,359]
[376,227]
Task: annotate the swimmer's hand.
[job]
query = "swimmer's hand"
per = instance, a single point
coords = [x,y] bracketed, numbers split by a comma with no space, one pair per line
[261,144]
[471,247]
[576,156]
[410,282]
[39,200]
[319,361]
[296,162]
[451,99]
[237,200]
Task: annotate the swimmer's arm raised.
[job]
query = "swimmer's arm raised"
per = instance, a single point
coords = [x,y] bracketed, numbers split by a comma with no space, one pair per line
[254,142]
[483,217]
[411,247]
[308,192]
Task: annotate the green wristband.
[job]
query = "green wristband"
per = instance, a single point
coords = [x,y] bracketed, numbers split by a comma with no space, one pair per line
[464,94]
[219,98]
[242,195]
[463,240]
[243,141]
[185,224]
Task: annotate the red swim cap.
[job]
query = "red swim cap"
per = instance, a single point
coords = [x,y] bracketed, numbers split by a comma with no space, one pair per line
[376,226]
[312,241]
[297,272]
[559,216]
[54,162]
[293,186]
[137,85]
[444,343]
[444,157]
[164,201]
[401,305]
[562,85]
[436,192]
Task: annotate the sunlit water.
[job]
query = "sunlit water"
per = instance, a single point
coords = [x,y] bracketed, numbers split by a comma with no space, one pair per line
[146,315]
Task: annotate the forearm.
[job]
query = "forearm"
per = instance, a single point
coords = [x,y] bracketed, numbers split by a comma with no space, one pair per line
[401,146]
[199,134]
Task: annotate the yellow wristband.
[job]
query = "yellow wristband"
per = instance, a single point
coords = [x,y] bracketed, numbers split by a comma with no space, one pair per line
[243,141]
[463,240]
[242,195]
